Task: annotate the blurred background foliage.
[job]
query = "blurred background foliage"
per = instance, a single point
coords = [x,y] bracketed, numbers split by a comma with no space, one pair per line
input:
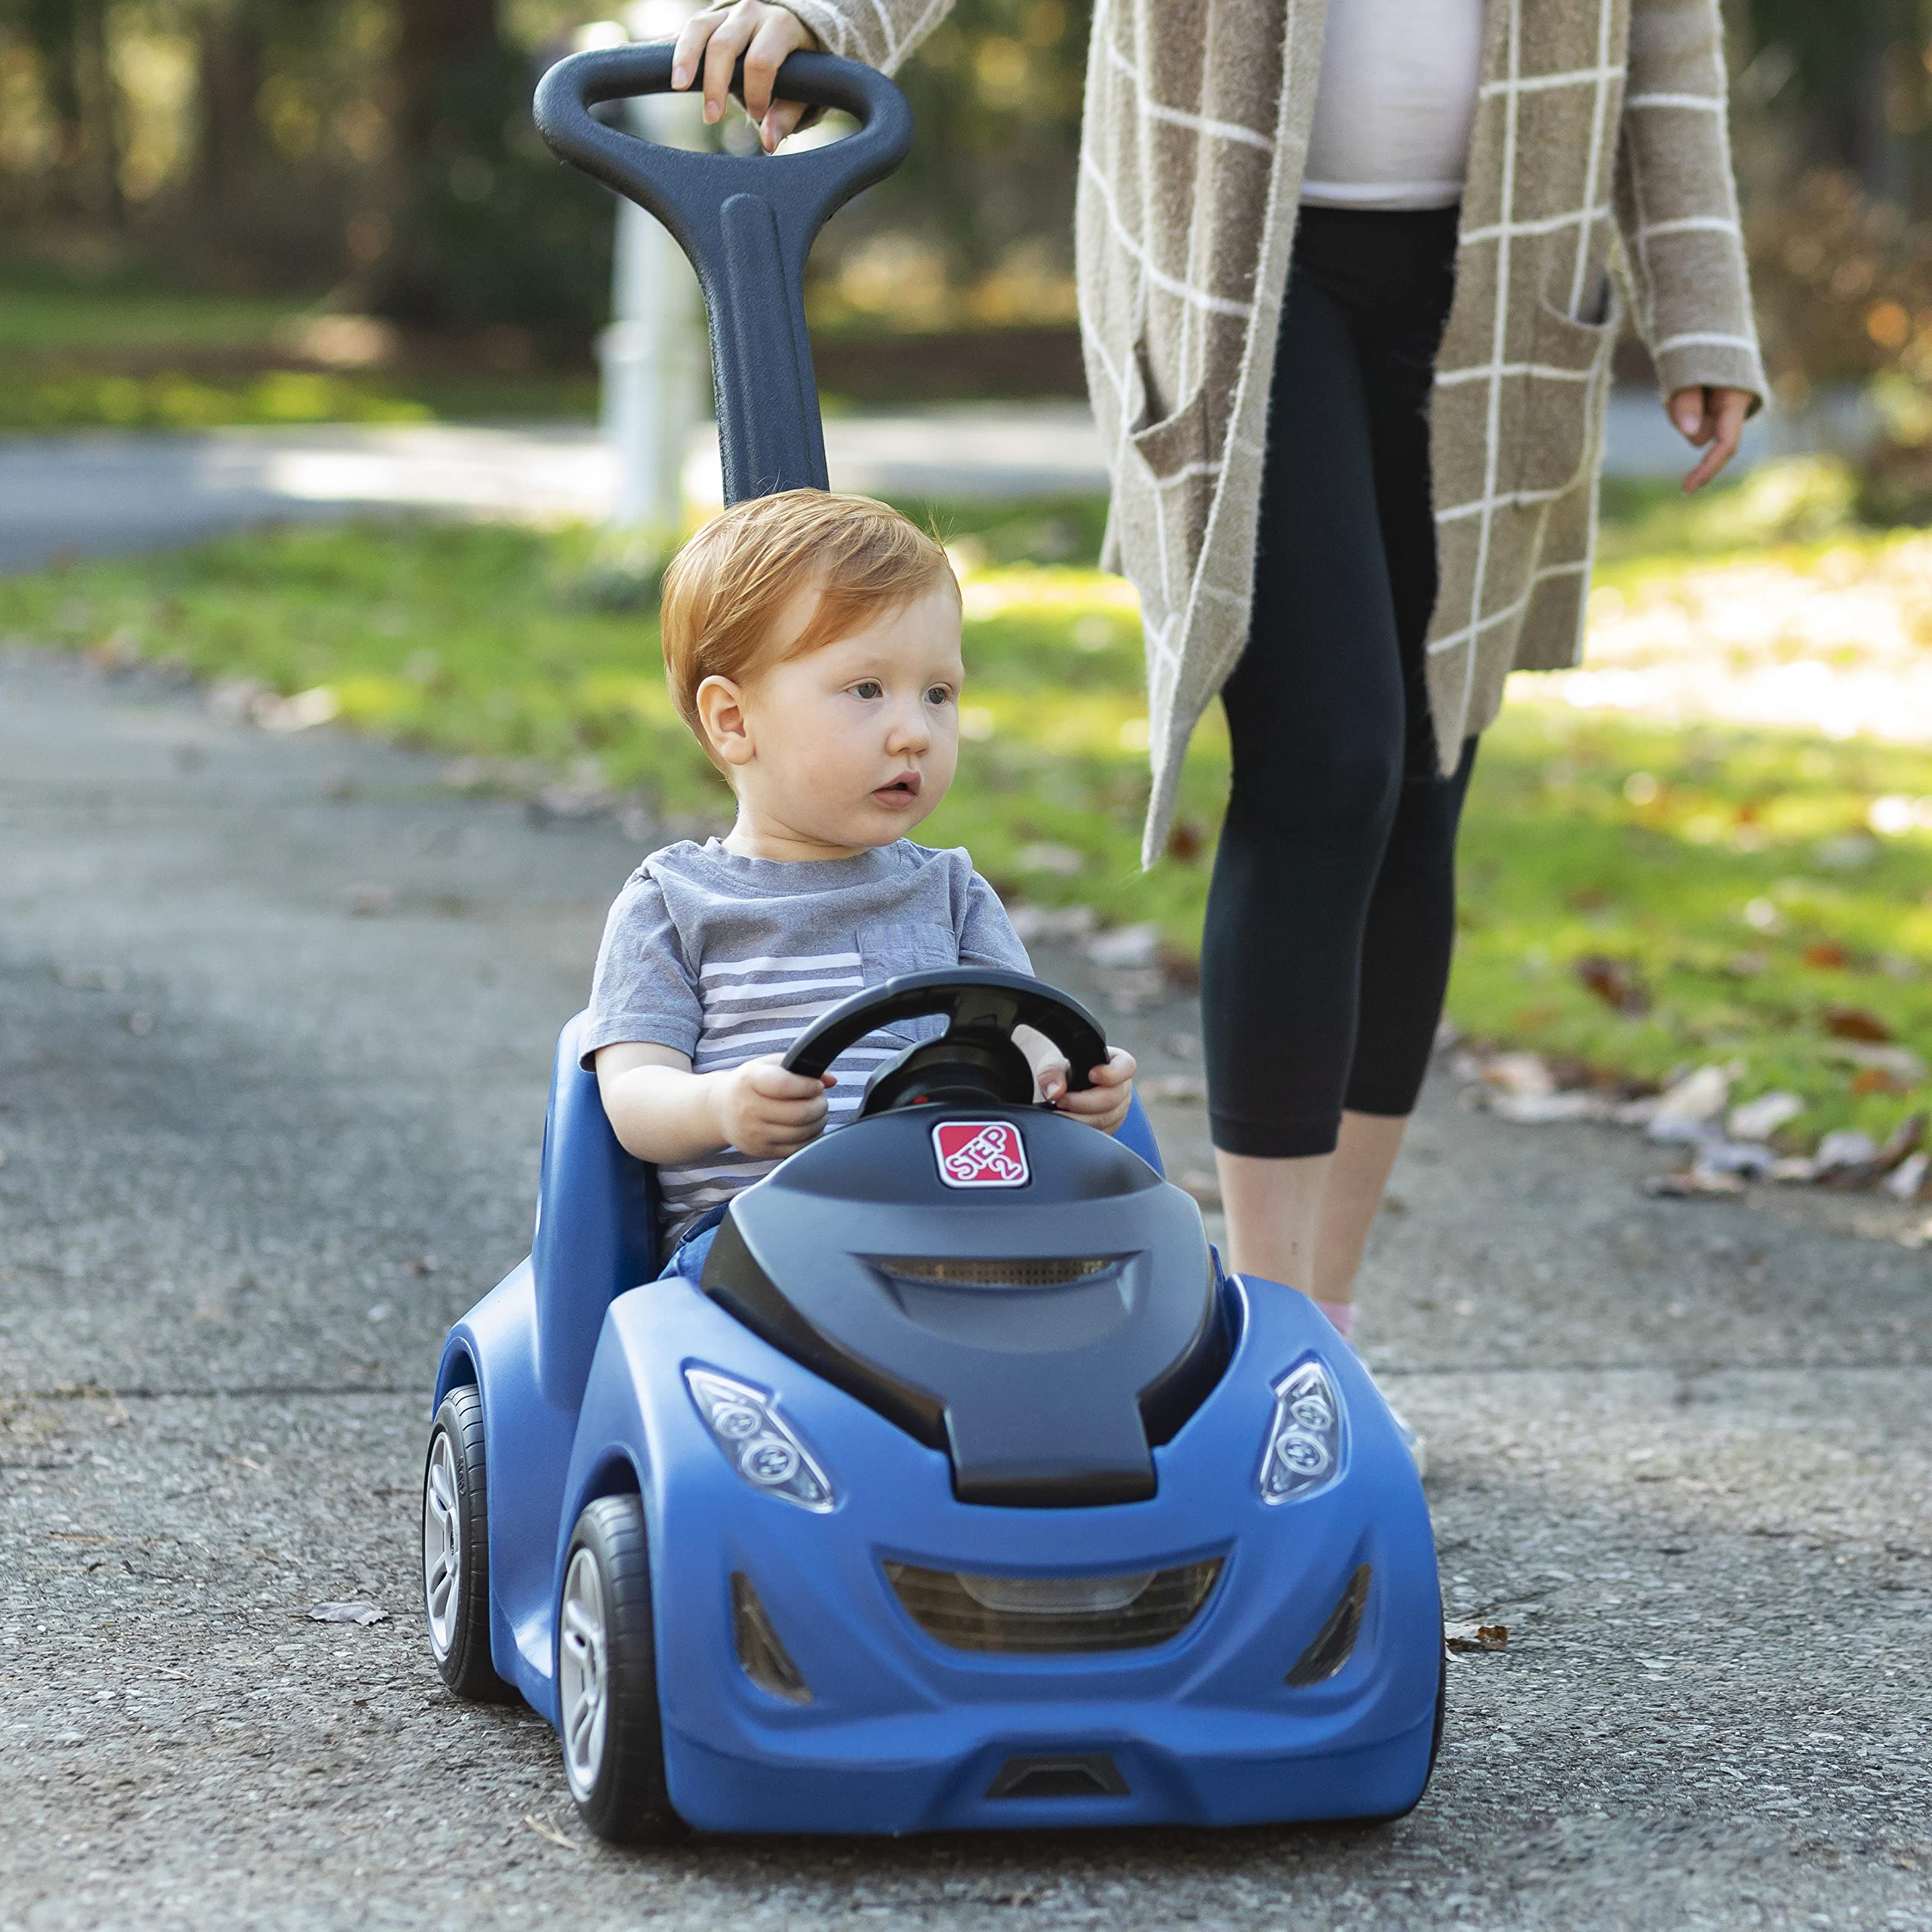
[358,181]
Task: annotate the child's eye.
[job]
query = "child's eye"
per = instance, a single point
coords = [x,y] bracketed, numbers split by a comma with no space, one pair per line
[869,687]
[939,694]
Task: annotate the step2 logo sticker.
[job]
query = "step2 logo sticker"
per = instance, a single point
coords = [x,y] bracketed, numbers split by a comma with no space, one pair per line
[980,1153]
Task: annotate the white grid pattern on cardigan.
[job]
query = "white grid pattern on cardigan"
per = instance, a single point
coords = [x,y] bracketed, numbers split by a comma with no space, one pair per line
[1184,251]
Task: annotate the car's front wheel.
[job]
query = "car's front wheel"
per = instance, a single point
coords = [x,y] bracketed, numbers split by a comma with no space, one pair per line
[455,1551]
[606,1678]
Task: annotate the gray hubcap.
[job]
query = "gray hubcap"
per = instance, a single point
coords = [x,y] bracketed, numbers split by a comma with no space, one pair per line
[582,1673]
[442,1544]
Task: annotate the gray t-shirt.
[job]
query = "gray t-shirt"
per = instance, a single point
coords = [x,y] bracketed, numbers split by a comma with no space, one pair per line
[724,958]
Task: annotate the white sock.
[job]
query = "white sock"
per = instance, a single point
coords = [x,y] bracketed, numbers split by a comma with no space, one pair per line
[1341,1314]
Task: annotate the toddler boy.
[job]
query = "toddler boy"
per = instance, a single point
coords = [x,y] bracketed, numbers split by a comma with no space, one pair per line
[812,641]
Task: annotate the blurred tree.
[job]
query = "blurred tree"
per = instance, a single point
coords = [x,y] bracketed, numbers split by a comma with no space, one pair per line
[230,65]
[486,228]
[69,41]
[1851,88]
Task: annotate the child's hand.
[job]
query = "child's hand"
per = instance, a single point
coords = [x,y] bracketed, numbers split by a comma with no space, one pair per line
[1104,1104]
[768,1113]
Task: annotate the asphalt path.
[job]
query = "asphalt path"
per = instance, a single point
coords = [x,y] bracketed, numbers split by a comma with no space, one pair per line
[275,1021]
[101,493]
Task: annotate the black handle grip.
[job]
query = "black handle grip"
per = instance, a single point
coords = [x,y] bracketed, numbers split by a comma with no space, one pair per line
[747,222]
[973,998]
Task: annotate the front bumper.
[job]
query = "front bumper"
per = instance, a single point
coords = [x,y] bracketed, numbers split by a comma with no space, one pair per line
[904,1733]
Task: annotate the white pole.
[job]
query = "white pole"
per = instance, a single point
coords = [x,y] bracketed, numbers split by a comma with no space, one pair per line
[655,361]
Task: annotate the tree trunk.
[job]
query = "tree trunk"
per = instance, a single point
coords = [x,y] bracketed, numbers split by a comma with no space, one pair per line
[229,70]
[104,108]
[51,27]
[434,39]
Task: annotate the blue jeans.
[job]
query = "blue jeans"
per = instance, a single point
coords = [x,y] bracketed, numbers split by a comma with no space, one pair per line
[687,1259]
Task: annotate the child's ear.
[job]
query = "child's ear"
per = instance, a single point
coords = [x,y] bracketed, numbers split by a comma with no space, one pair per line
[721,710]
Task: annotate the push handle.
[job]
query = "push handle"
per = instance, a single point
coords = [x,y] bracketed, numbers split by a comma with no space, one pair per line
[747,222]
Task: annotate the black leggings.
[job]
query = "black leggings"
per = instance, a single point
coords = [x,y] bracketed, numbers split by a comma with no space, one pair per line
[1331,913]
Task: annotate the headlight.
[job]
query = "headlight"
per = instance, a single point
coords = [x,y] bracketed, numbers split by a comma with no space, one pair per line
[1304,1451]
[752,1438]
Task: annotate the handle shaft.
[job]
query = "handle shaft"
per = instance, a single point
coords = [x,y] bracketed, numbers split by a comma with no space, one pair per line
[747,222]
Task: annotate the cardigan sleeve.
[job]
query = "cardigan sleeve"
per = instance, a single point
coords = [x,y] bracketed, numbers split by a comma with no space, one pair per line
[880,32]
[1676,203]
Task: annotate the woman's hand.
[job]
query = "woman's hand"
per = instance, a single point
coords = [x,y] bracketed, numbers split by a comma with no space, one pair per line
[764,35]
[1705,414]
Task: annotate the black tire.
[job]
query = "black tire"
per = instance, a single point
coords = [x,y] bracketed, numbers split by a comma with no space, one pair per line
[618,1777]
[460,1633]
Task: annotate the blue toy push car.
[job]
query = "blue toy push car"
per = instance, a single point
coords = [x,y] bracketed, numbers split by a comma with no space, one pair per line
[966,1491]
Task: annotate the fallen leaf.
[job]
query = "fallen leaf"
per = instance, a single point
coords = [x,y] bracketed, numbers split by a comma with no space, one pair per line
[1185,842]
[1907,1181]
[1876,1080]
[1759,1118]
[1690,1183]
[551,1832]
[1539,1109]
[1752,1159]
[1470,1635]
[1855,1023]
[1900,1062]
[1517,1073]
[1845,1147]
[1689,1110]
[1613,982]
[1903,1140]
[347,1613]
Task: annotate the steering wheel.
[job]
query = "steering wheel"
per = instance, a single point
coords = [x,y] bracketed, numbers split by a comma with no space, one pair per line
[975,1060]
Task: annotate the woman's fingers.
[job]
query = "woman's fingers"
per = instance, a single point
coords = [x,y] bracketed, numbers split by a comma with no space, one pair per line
[765,35]
[777,36]
[729,39]
[1724,423]
[780,123]
[689,49]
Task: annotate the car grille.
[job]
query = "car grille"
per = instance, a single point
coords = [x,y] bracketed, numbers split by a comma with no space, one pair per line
[1051,1271]
[1121,1611]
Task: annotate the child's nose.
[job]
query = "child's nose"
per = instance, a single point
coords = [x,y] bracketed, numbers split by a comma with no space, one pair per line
[910,730]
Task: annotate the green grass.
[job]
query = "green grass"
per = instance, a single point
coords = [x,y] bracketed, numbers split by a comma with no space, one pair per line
[47,313]
[1730,873]
[115,352]
[65,398]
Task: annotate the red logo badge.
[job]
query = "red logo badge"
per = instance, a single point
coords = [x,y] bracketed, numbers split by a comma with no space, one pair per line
[980,1153]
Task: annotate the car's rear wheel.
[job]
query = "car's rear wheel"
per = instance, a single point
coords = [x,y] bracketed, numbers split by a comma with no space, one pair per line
[455,1551]
[606,1678]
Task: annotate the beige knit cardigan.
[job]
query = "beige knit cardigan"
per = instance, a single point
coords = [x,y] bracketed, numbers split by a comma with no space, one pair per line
[1600,143]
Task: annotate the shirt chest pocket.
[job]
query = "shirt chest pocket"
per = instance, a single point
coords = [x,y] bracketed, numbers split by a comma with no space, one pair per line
[890,947]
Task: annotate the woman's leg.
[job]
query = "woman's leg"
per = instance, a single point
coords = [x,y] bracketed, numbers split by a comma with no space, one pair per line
[1315,719]
[1406,949]
[1409,930]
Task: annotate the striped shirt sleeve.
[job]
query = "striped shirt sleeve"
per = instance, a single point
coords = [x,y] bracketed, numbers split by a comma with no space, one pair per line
[644,988]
